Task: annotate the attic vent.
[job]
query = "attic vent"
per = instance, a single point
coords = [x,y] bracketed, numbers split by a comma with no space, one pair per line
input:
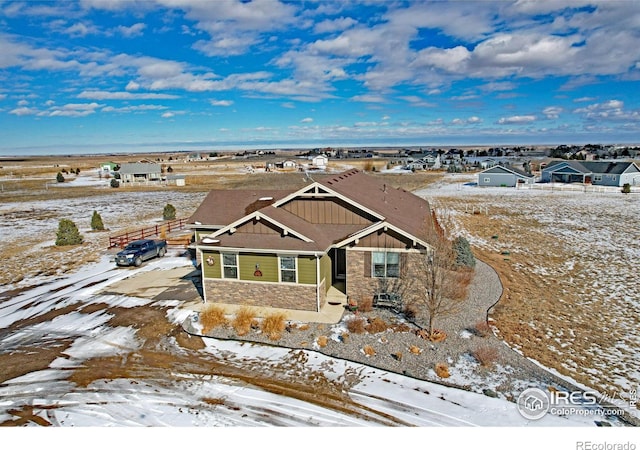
[210,241]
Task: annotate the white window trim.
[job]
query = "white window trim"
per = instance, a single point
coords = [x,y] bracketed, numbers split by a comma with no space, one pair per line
[280,269]
[487,179]
[237,265]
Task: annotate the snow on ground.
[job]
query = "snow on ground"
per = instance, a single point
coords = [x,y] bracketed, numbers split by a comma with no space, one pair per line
[589,240]
[179,401]
[193,400]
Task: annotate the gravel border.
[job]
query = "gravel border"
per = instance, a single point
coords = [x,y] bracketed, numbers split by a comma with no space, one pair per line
[509,375]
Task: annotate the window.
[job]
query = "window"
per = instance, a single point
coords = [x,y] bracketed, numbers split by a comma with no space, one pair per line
[597,177]
[229,265]
[288,269]
[487,180]
[385,264]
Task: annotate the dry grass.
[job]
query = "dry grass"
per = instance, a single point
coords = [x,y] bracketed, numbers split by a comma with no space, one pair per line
[212,317]
[356,325]
[273,325]
[482,329]
[486,355]
[365,304]
[415,349]
[442,370]
[438,336]
[376,325]
[322,341]
[369,351]
[243,320]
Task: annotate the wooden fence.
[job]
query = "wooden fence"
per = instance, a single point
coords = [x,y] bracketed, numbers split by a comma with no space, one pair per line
[121,240]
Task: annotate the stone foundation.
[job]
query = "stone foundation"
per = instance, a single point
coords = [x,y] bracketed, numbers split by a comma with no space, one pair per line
[265,295]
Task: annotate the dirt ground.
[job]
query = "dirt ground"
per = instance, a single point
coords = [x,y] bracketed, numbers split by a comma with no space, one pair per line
[29,195]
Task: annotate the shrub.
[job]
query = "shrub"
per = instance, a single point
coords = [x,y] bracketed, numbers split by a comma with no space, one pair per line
[365,304]
[322,341]
[356,325]
[212,317]
[485,355]
[437,336]
[68,233]
[482,329]
[243,320]
[114,183]
[415,349]
[626,188]
[369,351]
[376,325]
[442,370]
[96,222]
[273,325]
[60,177]
[397,356]
[462,250]
[410,311]
[169,212]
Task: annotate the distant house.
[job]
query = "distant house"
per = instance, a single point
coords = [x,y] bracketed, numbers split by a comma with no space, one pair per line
[320,161]
[342,235]
[108,168]
[287,165]
[425,161]
[140,172]
[504,176]
[177,180]
[602,173]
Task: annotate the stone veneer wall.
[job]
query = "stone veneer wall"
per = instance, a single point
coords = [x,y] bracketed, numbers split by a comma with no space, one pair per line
[270,295]
[361,286]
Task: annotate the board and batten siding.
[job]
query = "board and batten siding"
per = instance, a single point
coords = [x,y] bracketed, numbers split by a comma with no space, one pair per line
[326,211]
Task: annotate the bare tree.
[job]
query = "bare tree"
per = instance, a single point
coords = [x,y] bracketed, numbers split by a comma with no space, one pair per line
[440,284]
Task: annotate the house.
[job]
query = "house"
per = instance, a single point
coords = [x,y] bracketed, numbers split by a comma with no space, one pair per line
[424,161]
[287,165]
[344,235]
[140,172]
[177,180]
[507,176]
[108,168]
[320,161]
[601,173]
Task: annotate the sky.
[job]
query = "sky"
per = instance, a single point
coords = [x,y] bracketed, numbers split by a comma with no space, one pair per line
[127,75]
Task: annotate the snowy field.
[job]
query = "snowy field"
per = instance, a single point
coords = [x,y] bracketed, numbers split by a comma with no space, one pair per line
[574,257]
[70,316]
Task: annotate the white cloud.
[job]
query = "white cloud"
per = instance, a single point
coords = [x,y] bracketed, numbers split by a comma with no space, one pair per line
[369,98]
[133,108]
[516,120]
[167,115]
[330,26]
[612,110]
[134,30]
[81,29]
[24,111]
[552,112]
[107,95]
[221,102]
[73,110]
[307,120]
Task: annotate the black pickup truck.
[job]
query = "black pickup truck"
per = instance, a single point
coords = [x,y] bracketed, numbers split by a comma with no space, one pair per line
[141,250]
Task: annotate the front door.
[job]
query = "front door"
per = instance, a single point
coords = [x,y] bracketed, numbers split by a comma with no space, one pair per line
[339,263]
